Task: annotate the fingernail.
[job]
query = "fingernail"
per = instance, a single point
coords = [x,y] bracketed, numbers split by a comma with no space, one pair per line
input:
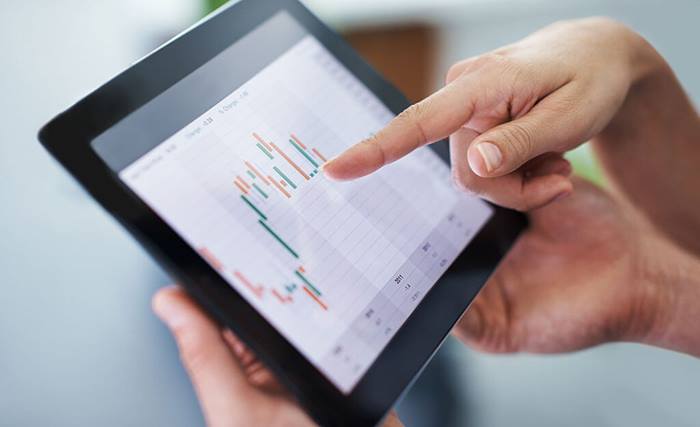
[325,165]
[329,177]
[490,154]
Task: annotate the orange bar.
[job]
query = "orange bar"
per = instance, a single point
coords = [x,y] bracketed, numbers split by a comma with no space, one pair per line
[301,269]
[282,190]
[283,182]
[240,187]
[262,141]
[294,165]
[210,258]
[320,156]
[245,184]
[282,299]
[311,294]
[301,144]
[258,174]
[257,290]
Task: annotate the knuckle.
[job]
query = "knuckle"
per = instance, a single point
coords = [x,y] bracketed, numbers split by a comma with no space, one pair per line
[373,143]
[491,59]
[412,117]
[411,113]
[518,141]
[453,72]
[459,68]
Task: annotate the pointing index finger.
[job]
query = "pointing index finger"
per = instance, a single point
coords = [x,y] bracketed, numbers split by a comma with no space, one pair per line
[430,120]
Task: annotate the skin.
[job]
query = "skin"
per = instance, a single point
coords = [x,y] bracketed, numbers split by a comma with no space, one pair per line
[561,288]
[590,269]
[233,388]
[536,99]
[593,267]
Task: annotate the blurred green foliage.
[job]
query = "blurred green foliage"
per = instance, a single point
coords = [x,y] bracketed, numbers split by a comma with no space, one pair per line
[585,164]
[210,5]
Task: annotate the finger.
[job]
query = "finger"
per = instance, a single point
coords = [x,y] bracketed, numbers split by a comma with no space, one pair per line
[487,326]
[457,69]
[537,184]
[548,164]
[258,375]
[392,420]
[551,125]
[430,120]
[218,380]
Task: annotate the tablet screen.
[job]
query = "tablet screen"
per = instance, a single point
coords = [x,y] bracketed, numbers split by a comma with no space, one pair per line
[231,157]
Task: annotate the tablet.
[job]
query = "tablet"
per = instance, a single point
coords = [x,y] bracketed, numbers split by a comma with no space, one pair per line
[210,150]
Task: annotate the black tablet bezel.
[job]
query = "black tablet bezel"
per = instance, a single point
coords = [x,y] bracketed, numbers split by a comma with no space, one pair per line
[68,138]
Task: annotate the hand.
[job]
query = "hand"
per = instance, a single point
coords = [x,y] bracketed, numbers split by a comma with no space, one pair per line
[588,271]
[233,388]
[514,111]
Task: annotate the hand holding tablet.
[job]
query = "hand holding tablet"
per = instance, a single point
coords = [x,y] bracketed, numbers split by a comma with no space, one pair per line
[210,151]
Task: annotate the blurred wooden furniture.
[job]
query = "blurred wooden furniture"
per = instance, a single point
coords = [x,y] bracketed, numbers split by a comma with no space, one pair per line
[405,54]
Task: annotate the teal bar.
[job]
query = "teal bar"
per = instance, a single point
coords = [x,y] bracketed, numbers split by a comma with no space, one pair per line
[312,287]
[289,181]
[252,206]
[251,174]
[279,239]
[264,150]
[264,194]
[304,153]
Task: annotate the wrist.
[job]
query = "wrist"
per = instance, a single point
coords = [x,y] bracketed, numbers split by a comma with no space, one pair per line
[673,278]
[642,58]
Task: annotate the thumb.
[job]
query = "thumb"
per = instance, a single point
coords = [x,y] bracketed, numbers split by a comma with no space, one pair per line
[504,148]
[216,375]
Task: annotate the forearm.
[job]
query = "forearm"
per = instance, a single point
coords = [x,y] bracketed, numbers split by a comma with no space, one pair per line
[676,275]
[651,149]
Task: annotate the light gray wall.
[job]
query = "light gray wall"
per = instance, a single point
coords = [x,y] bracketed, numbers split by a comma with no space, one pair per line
[78,343]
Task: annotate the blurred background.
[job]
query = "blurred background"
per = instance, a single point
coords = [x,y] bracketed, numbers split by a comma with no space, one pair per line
[78,343]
